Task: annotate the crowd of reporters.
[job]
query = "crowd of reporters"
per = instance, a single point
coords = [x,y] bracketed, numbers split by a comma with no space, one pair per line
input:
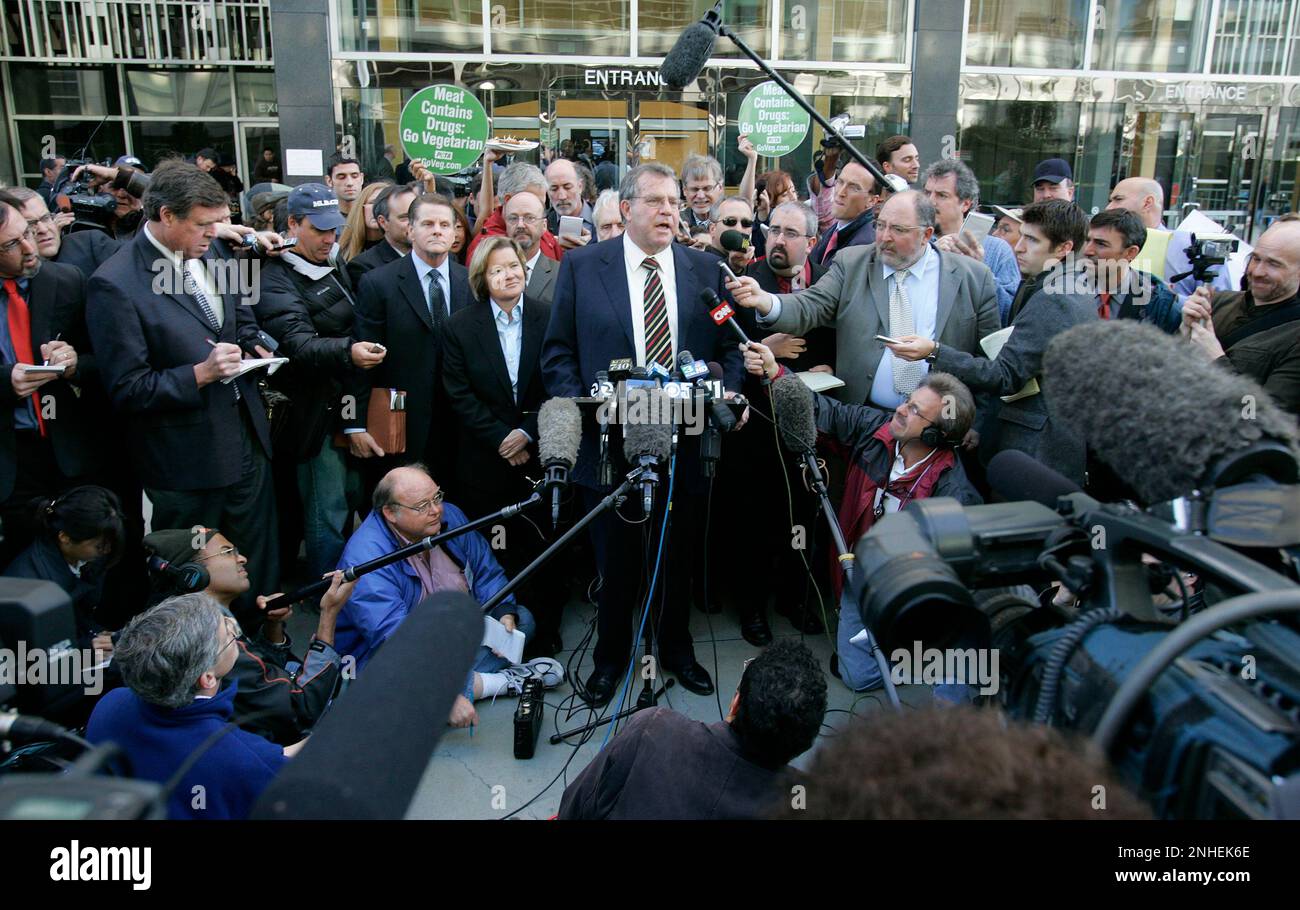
[446,292]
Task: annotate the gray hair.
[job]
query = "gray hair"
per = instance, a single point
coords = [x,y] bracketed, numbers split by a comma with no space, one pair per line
[18,196]
[163,651]
[968,188]
[630,187]
[519,178]
[805,210]
[607,199]
[923,206]
[717,206]
[701,167]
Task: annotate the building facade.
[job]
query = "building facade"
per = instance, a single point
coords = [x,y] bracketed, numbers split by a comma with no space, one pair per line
[1204,96]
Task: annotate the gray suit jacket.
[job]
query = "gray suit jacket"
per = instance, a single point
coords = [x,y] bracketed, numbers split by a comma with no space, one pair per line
[1027,424]
[541,284]
[853,297]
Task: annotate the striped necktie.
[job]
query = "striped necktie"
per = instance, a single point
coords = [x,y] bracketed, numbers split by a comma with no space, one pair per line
[658,336]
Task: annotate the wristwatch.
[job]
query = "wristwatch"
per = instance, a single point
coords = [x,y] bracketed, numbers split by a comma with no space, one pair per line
[933,355]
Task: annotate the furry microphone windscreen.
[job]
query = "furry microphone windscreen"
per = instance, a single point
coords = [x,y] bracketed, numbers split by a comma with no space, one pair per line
[559,426]
[734,241]
[792,404]
[1151,408]
[693,49]
[647,425]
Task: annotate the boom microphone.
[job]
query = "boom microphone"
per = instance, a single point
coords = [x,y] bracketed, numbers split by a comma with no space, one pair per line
[559,424]
[792,405]
[693,49]
[1017,477]
[734,241]
[647,435]
[1157,414]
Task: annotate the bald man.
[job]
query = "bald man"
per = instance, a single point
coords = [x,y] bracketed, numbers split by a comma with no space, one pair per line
[409,506]
[564,185]
[1165,252]
[526,225]
[1257,330]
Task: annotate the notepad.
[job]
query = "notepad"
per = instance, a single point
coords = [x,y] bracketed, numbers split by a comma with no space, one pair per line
[500,640]
[820,382]
[248,364]
[43,368]
[992,344]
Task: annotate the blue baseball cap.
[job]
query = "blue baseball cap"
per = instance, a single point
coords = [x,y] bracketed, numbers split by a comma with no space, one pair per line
[1053,170]
[318,204]
[129,161]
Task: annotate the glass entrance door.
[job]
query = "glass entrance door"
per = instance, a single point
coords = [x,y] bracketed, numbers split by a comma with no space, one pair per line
[1204,159]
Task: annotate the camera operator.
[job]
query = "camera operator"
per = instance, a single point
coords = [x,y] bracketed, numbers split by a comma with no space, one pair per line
[126,182]
[280,695]
[53,178]
[893,458]
[174,659]
[821,182]
[1253,331]
[663,765]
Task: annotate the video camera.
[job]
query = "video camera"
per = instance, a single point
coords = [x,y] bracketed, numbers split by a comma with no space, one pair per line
[1205,254]
[94,209]
[1164,618]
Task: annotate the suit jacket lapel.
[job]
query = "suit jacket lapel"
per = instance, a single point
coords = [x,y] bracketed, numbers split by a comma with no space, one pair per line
[689,286]
[614,277]
[40,310]
[458,277]
[166,280]
[535,320]
[490,342]
[879,288]
[947,289]
[409,282]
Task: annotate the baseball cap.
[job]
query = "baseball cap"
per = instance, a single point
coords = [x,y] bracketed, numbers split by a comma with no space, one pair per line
[1013,214]
[319,204]
[129,161]
[176,545]
[1053,170]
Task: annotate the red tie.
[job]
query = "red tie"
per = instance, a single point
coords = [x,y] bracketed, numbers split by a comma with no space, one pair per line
[1104,310]
[830,246]
[782,284]
[20,335]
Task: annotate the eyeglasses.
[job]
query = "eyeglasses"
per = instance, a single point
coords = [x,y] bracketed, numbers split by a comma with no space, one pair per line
[702,189]
[732,221]
[884,227]
[658,202]
[236,633]
[916,412]
[422,508]
[7,248]
[47,218]
[231,550]
[786,234]
[523,219]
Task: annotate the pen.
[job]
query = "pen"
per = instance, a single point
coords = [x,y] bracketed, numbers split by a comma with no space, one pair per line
[52,340]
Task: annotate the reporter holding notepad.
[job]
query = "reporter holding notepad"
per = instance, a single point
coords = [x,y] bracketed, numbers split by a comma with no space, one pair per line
[44,432]
[166,333]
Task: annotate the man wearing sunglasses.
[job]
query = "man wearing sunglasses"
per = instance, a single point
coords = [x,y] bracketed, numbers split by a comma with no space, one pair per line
[732,214]
[281,695]
[409,506]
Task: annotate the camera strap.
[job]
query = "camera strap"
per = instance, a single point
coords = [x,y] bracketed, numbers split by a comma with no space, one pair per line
[1280,315]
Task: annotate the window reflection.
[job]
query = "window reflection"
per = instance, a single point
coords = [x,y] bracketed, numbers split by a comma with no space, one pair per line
[598,27]
[1002,141]
[660,22]
[862,31]
[417,26]
[1033,33]
[1150,35]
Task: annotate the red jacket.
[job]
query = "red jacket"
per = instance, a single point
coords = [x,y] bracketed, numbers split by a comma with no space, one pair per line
[495,225]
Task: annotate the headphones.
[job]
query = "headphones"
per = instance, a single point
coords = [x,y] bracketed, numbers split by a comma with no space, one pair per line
[187,578]
[937,438]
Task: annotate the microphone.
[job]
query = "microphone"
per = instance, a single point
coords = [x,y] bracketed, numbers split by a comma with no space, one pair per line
[559,424]
[1158,414]
[722,413]
[187,579]
[792,406]
[722,313]
[1017,477]
[693,48]
[734,241]
[19,728]
[647,437]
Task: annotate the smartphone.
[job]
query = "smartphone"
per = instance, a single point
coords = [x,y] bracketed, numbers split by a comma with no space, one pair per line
[978,224]
[570,226]
[887,340]
[291,242]
[722,264]
[267,341]
[377,348]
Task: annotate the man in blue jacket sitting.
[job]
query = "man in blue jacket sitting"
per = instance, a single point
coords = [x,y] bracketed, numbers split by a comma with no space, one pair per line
[173,659]
[408,506]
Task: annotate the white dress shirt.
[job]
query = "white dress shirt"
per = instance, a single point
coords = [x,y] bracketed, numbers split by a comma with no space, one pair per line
[510,332]
[923,292]
[531,264]
[424,270]
[633,257]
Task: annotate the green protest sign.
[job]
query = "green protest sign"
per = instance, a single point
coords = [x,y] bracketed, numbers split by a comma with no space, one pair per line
[772,120]
[445,127]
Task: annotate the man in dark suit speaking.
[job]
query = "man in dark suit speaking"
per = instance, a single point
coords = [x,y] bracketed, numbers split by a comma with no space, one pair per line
[637,296]
[170,329]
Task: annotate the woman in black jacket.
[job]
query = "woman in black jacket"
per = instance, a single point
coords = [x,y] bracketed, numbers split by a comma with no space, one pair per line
[79,538]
